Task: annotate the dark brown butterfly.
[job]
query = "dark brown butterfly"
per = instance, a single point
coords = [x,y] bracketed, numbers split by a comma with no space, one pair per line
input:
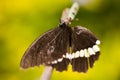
[63,45]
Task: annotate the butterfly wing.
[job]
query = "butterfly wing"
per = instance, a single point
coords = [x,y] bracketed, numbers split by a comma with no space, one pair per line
[48,50]
[84,49]
[34,54]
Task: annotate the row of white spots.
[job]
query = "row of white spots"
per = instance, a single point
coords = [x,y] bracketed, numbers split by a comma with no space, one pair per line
[84,52]
[56,61]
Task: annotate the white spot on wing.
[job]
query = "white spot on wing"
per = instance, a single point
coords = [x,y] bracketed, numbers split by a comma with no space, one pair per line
[63,56]
[54,62]
[91,51]
[78,32]
[50,49]
[96,48]
[60,59]
[82,53]
[68,55]
[86,53]
[77,54]
[98,42]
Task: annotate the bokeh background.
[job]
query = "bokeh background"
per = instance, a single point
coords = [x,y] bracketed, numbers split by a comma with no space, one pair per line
[22,21]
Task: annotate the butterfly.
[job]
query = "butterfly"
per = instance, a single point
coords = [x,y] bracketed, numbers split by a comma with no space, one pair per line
[62,46]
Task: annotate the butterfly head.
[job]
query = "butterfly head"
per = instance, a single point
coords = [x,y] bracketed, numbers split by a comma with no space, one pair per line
[63,25]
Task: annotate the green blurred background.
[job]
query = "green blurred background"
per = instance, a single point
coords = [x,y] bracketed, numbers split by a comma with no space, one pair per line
[22,21]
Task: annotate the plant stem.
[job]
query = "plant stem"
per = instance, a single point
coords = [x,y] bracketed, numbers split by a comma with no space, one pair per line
[47,73]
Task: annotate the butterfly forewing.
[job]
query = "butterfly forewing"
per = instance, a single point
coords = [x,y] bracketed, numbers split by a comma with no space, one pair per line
[34,54]
[83,42]
[48,49]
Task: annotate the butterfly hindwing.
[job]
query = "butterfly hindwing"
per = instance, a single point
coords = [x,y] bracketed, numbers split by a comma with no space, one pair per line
[84,48]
